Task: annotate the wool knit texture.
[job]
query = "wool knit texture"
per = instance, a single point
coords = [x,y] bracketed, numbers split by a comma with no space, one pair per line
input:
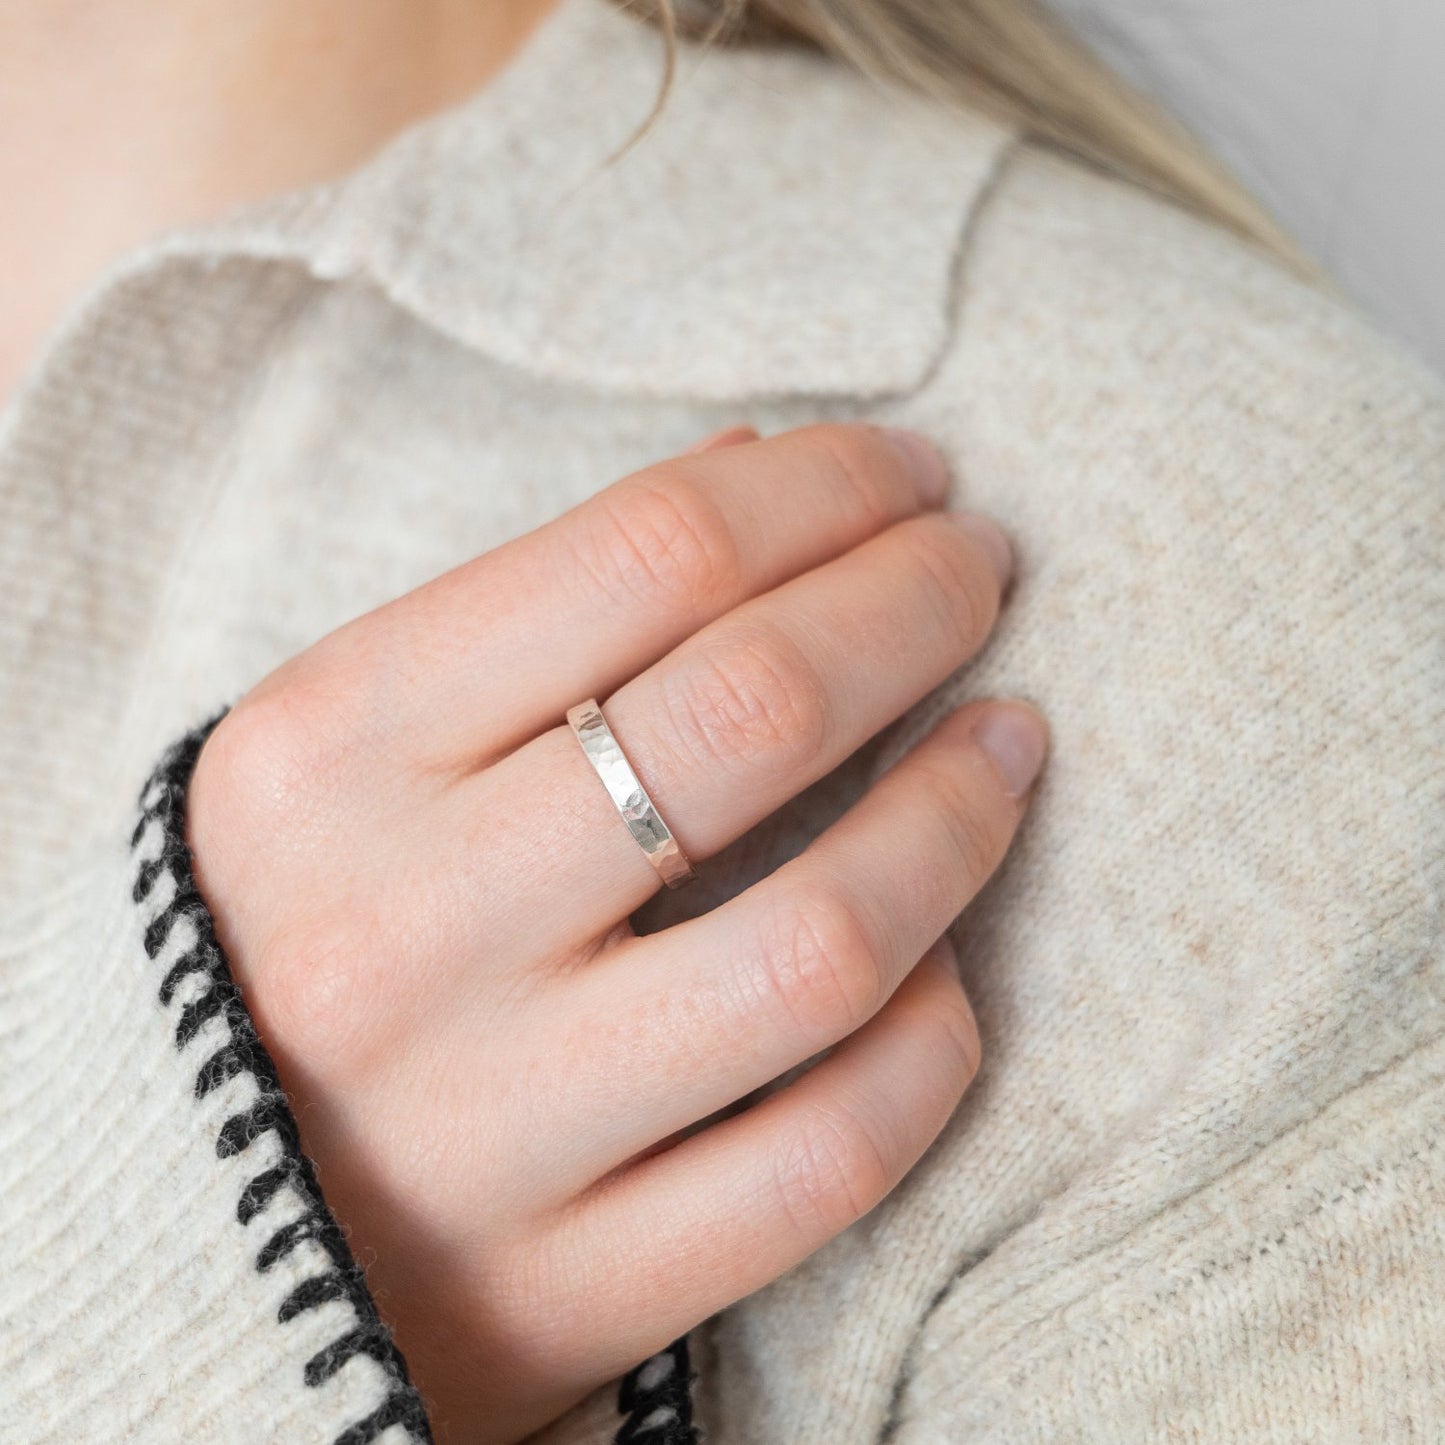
[1197,1191]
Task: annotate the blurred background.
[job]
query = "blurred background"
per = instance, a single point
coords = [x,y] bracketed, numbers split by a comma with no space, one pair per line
[1332,111]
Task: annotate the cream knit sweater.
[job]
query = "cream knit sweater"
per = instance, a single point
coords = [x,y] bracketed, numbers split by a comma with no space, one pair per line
[1197,1192]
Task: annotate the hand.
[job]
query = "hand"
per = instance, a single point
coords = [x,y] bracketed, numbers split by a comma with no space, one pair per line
[423,890]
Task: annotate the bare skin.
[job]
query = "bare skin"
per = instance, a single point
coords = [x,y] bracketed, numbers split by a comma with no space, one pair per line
[749,614]
[125,118]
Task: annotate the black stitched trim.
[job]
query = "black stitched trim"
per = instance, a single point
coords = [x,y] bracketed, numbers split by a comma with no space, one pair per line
[655,1397]
[163,801]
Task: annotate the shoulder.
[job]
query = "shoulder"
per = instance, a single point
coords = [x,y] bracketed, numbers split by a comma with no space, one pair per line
[1235,439]
[1209,975]
[1085,288]
[1227,492]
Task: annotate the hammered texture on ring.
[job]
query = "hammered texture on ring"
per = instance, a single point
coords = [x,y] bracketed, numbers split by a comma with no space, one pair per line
[643,821]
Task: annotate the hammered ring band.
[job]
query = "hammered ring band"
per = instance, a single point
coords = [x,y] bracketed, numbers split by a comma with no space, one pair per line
[643,820]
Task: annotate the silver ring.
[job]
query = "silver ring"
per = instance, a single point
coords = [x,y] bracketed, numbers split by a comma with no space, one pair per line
[643,821]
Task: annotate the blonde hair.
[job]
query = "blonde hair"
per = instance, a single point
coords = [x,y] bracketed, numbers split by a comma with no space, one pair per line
[1009,58]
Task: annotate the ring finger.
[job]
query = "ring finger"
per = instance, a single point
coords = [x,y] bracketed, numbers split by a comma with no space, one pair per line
[729,726]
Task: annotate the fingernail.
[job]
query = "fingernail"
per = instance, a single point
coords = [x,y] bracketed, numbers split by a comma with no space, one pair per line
[948,955]
[729,436]
[995,541]
[1015,738]
[925,463]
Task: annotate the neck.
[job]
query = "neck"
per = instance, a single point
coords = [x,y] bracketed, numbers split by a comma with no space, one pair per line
[125,118]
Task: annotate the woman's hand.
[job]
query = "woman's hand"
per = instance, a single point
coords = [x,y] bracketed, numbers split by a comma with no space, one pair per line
[423,890]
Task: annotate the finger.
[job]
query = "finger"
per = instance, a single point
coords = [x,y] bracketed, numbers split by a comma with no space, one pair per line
[733,723]
[728,437]
[705,1012]
[731,1208]
[487,655]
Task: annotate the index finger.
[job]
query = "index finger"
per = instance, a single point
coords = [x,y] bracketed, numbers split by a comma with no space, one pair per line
[495,651]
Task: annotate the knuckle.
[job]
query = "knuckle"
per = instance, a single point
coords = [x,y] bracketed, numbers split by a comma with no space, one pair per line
[816,961]
[975,837]
[316,996]
[268,762]
[828,1171]
[660,538]
[861,465]
[962,594]
[749,701]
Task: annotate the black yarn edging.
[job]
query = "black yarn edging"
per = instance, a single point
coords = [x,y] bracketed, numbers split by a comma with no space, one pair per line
[655,1397]
[163,800]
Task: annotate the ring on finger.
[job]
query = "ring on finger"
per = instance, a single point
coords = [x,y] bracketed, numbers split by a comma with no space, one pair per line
[625,789]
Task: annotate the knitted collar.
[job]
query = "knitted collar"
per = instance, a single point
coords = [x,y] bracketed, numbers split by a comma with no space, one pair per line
[786,226]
